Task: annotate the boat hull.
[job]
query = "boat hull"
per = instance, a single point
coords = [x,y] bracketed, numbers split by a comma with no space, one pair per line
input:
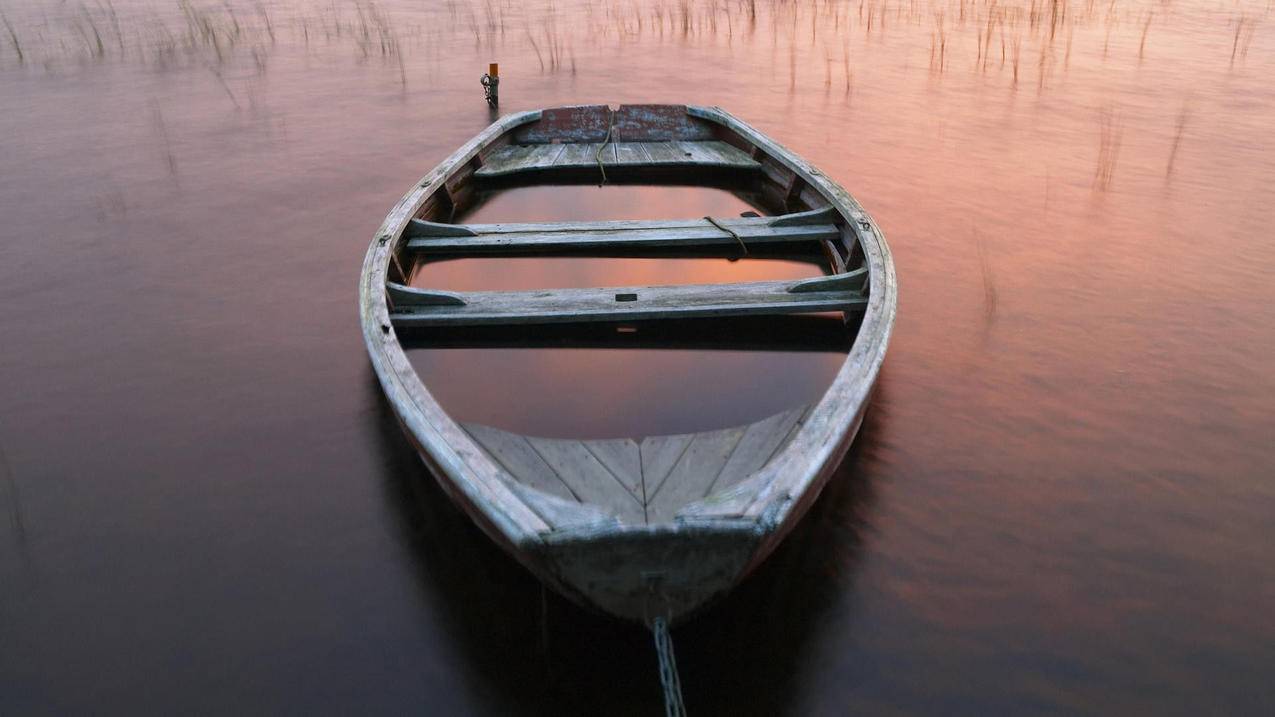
[681,563]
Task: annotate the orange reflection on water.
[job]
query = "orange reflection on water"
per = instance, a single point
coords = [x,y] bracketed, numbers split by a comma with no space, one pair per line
[600,392]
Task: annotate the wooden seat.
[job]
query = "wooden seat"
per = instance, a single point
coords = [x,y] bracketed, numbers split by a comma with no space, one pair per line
[466,239]
[421,307]
[518,158]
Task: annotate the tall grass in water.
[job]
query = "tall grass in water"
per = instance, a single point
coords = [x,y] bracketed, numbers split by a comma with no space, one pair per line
[1146,27]
[1108,147]
[13,38]
[1184,116]
[1244,28]
[991,298]
[161,129]
[963,33]
[95,44]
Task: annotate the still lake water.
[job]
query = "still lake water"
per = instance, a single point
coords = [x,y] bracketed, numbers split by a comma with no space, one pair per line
[1062,500]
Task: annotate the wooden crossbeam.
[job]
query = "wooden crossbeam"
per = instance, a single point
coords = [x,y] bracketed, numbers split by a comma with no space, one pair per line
[517,158]
[638,303]
[434,238]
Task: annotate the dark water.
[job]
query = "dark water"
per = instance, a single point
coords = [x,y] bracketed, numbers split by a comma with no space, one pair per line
[1061,502]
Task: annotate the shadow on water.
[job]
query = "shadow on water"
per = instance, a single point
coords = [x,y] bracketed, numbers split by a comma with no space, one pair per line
[531,651]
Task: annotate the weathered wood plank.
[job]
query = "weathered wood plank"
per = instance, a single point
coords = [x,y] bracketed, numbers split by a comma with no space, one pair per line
[622,457]
[579,123]
[758,444]
[563,514]
[511,158]
[422,228]
[515,158]
[823,216]
[659,476]
[668,153]
[658,123]
[588,478]
[631,153]
[577,155]
[849,281]
[659,455]
[605,154]
[699,152]
[703,233]
[401,295]
[695,471]
[637,303]
[513,453]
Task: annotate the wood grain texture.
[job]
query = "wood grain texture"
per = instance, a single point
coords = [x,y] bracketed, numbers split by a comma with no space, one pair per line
[657,123]
[823,215]
[756,446]
[589,479]
[518,158]
[495,238]
[401,295]
[847,281]
[702,234]
[621,478]
[516,455]
[623,458]
[693,473]
[659,455]
[579,123]
[626,303]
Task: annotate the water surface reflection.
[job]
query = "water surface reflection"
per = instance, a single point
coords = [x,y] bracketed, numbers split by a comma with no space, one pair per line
[1061,501]
[619,390]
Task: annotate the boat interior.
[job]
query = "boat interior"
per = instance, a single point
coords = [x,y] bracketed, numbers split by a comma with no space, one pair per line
[643,479]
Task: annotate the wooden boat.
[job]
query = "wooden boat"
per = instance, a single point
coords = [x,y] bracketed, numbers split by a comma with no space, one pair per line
[659,525]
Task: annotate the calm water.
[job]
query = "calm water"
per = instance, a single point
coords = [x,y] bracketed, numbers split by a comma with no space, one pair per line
[1061,502]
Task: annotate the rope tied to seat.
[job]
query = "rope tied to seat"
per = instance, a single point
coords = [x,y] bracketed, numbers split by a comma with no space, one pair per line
[605,141]
[729,231]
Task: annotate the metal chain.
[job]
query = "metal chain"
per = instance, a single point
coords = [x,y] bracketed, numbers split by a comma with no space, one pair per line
[491,88]
[669,679]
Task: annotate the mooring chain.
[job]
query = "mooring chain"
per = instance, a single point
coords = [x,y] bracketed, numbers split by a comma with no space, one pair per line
[491,85]
[669,679]
[729,231]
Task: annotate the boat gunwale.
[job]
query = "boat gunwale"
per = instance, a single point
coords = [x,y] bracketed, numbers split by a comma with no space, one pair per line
[760,504]
[806,461]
